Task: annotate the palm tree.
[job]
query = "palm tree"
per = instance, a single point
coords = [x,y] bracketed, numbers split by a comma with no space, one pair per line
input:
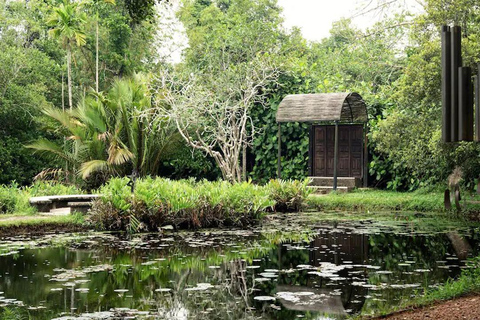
[112,133]
[136,134]
[67,23]
[84,131]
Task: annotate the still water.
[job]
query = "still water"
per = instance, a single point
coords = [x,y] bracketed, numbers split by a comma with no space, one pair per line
[326,271]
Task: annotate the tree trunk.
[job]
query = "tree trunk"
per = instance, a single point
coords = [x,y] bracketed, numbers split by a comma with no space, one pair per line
[244,162]
[63,92]
[69,77]
[96,55]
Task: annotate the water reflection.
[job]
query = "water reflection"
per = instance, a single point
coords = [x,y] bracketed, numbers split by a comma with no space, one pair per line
[346,269]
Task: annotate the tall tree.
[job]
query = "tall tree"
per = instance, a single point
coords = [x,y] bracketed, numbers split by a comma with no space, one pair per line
[94,4]
[67,22]
[29,80]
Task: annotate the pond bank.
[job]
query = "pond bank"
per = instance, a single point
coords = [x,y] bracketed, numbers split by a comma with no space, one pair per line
[368,200]
[14,225]
[467,307]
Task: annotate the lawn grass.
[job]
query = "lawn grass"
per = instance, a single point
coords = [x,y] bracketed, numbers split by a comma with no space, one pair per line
[378,200]
[8,220]
[16,224]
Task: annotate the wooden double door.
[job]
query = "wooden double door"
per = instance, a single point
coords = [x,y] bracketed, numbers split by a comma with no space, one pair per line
[350,151]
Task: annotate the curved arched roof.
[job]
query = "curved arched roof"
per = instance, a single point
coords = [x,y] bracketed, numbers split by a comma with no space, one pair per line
[343,107]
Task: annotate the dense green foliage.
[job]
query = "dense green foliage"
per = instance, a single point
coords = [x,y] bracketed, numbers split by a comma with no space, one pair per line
[14,199]
[189,204]
[408,135]
[33,71]
[400,83]
[369,62]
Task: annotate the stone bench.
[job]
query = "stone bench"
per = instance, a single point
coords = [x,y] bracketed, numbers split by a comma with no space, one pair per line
[47,203]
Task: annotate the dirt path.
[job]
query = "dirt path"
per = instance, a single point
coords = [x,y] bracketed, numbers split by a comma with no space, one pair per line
[467,308]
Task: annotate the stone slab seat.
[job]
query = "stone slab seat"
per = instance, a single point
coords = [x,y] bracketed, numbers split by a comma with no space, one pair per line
[47,203]
[80,206]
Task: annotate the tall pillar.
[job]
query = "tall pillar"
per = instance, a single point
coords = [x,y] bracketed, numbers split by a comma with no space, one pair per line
[456,56]
[465,107]
[446,83]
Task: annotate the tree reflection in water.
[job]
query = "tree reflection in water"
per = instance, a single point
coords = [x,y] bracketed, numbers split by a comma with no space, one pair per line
[335,271]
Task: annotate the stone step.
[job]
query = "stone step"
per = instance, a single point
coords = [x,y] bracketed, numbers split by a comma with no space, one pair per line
[327,189]
[349,182]
[80,204]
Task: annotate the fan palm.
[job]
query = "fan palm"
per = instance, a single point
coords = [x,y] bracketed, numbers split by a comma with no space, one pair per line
[112,133]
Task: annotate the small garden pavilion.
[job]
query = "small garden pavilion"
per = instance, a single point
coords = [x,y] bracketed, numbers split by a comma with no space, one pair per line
[338,141]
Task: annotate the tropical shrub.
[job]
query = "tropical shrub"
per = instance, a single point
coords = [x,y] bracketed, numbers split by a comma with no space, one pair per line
[49,188]
[157,202]
[110,134]
[8,199]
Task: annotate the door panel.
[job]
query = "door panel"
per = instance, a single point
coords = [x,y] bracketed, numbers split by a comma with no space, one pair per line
[350,151]
[320,148]
[356,151]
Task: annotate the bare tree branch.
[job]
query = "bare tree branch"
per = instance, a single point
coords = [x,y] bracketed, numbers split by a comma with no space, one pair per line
[212,111]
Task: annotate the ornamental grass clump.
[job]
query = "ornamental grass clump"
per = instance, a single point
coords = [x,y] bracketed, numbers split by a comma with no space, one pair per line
[289,195]
[157,202]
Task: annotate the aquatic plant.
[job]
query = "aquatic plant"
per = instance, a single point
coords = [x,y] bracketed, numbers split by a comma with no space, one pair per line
[186,203]
[289,195]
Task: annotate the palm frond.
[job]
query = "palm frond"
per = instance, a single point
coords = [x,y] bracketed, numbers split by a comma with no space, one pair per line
[89,167]
[119,156]
[63,117]
[47,147]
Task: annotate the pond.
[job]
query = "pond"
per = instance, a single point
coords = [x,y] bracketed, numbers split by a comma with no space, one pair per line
[326,271]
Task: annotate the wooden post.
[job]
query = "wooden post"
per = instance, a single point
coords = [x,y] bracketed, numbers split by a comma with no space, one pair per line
[279,138]
[335,158]
[477,105]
